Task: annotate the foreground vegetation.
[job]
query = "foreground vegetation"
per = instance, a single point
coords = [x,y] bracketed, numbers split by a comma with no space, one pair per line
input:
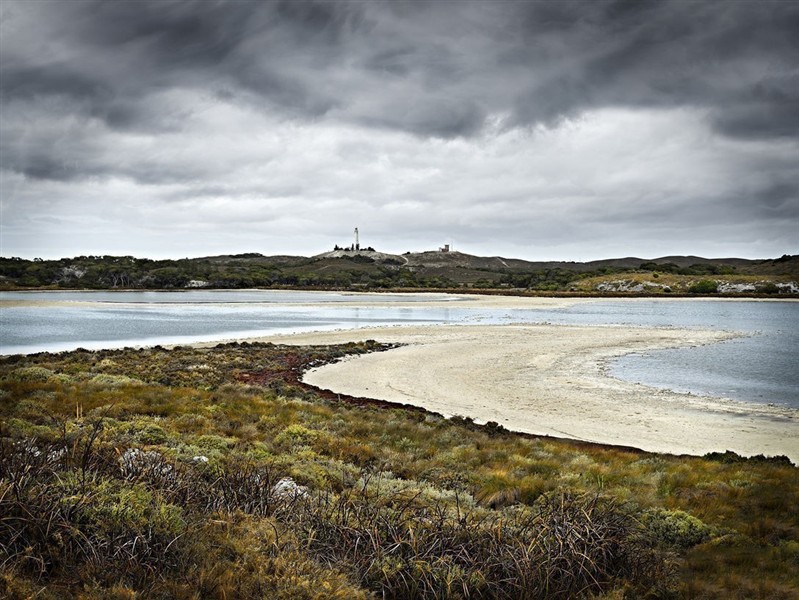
[213,473]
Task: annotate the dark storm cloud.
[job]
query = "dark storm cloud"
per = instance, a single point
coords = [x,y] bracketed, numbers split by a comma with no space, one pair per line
[737,59]
[50,168]
[191,33]
[437,69]
[21,83]
[779,201]
[768,108]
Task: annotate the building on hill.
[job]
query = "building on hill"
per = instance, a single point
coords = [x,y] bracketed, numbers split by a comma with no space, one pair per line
[356,246]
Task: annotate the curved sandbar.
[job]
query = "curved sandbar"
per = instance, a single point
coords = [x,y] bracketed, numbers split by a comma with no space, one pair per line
[550,380]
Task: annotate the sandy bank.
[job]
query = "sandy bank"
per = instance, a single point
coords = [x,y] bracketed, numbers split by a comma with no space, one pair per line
[349,299]
[549,379]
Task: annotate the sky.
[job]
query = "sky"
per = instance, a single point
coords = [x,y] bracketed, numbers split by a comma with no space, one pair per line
[539,130]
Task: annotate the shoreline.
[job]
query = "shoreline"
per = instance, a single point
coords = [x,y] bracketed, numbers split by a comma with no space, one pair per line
[540,379]
[552,380]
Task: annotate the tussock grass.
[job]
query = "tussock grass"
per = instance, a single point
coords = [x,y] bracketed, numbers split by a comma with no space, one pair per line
[157,473]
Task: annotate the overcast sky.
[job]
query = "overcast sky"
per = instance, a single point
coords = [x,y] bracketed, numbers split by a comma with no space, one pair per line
[537,130]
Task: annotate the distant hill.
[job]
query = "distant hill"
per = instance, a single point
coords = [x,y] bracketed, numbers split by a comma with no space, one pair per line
[372,269]
[370,254]
[496,262]
[253,258]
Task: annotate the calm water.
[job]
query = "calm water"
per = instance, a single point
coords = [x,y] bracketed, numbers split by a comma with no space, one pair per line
[762,367]
[117,319]
[221,296]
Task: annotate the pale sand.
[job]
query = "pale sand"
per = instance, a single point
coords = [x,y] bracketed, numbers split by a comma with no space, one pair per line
[355,299]
[550,380]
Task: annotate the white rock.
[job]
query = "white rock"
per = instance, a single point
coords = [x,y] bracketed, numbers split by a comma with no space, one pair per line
[288,488]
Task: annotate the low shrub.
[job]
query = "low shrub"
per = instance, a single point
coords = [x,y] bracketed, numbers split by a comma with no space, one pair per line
[768,288]
[30,374]
[676,528]
[705,286]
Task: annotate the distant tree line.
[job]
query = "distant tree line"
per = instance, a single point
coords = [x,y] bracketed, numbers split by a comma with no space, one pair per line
[355,271]
[241,271]
[246,271]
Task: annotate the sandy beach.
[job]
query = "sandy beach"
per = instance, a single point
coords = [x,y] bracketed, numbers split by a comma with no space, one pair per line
[551,380]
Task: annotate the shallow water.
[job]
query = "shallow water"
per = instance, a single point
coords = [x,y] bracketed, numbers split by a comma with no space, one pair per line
[56,321]
[762,367]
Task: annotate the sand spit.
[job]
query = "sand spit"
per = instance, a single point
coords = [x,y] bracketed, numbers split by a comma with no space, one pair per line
[350,299]
[551,380]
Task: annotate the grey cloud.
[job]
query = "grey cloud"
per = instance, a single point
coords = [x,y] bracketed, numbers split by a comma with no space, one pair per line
[368,108]
[50,168]
[396,62]
[772,201]
[435,118]
[49,80]
[292,96]
[190,33]
[777,194]
[761,118]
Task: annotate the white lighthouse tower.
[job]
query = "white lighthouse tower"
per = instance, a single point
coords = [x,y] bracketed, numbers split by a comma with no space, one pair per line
[357,245]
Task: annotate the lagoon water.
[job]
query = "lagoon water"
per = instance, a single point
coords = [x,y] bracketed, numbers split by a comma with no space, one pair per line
[56,321]
[763,366]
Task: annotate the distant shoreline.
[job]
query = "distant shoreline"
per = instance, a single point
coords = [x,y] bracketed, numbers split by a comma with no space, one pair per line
[486,300]
[505,293]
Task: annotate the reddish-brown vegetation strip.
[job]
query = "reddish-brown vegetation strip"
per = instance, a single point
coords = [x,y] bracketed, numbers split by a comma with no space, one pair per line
[290,367]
